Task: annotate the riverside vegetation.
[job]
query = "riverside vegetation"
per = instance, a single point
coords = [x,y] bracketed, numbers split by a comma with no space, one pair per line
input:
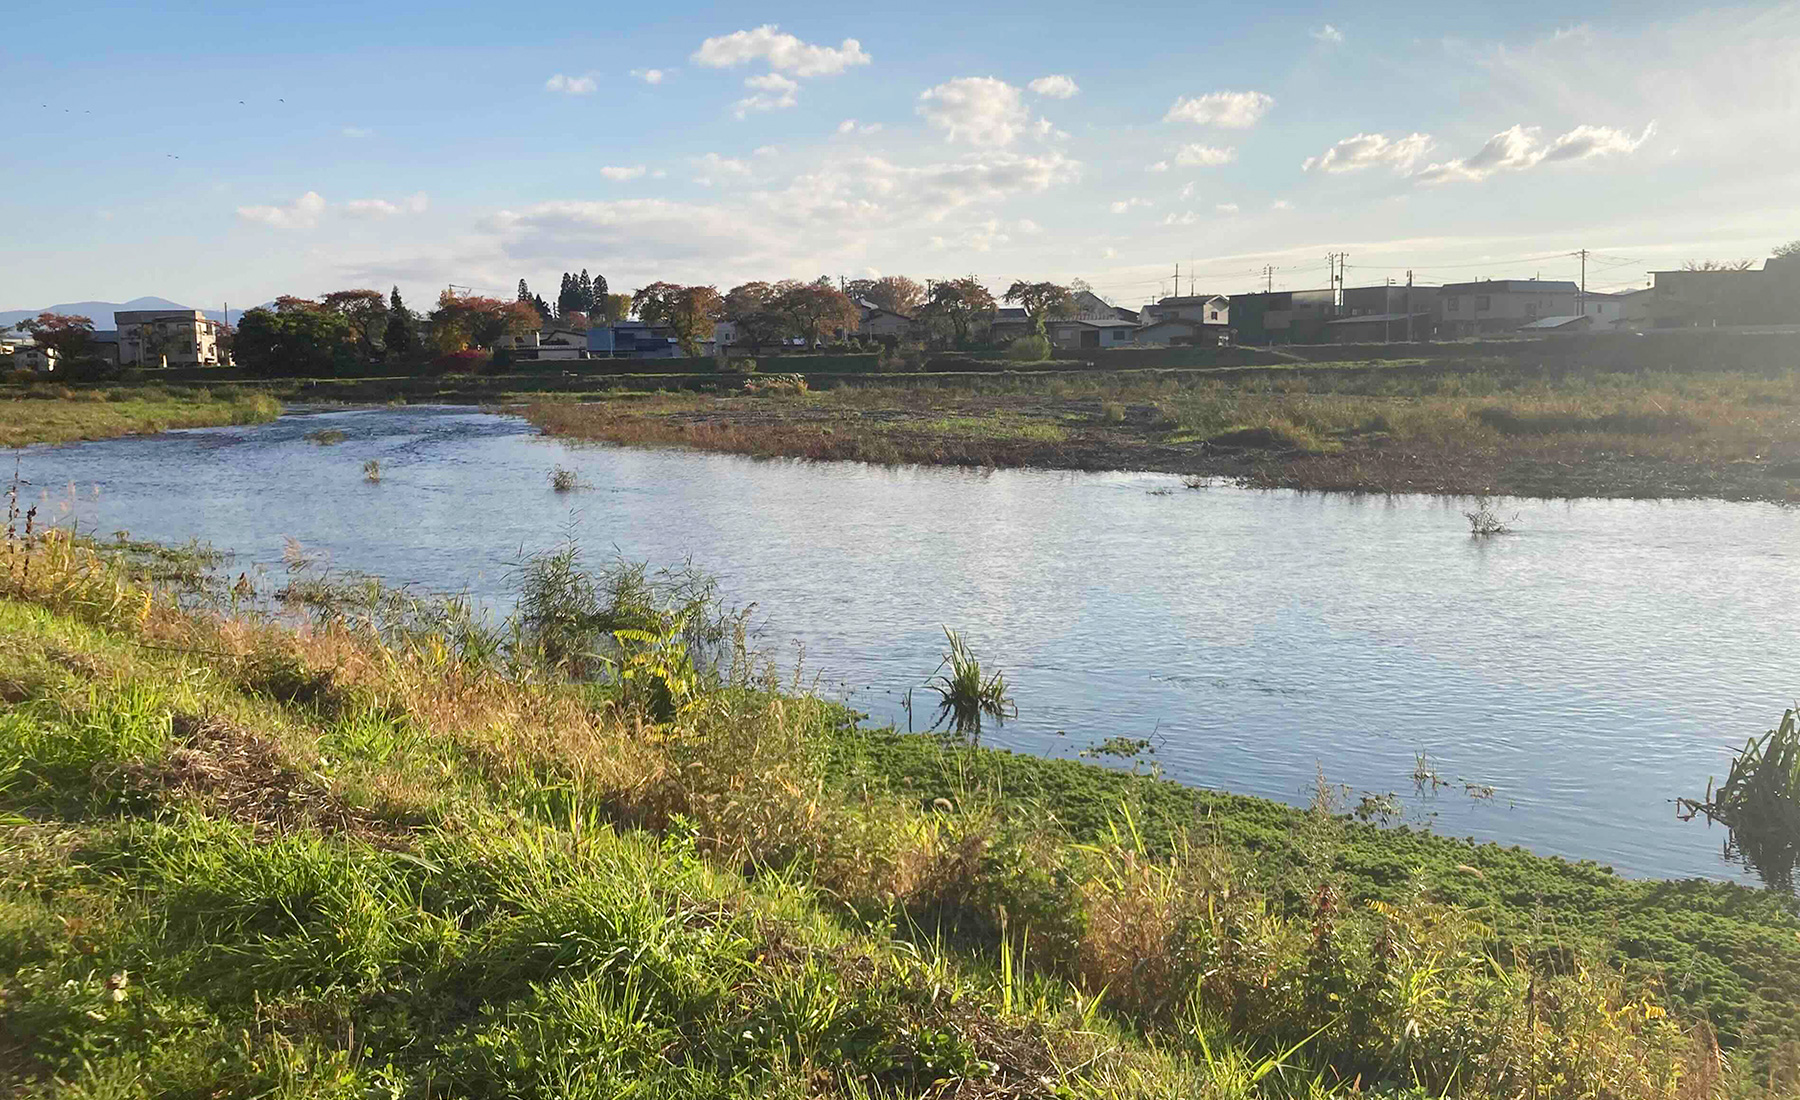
[39,413]
[1400,427]
[338,841]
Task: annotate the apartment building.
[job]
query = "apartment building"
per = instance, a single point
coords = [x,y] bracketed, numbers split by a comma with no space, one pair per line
[1497,306]
[167,338]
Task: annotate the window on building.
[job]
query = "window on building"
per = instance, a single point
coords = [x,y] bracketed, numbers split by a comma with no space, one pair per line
[1482,302]
[1452,304]
[1531,309]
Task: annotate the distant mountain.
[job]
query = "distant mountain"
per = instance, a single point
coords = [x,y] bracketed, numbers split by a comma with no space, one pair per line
[102,312]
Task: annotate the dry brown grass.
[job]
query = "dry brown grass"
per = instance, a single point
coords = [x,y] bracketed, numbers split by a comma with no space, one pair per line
[1385,430]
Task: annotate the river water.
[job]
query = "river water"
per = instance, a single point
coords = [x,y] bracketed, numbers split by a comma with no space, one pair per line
[1589,668]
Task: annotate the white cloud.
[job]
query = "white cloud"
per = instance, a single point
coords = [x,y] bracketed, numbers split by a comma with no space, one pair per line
[1159,166]
[1026,225]
[782,52]
[774,92]
[1281,204]
[1596,141]
[1187,190]
[715,169]
[1227,208]
[622,172]
[302,213]
[381,208]
[1360,151]
[357,132]
[1055,87]
[1519,148]
[1232,110]
[1109,253]
[570,85]
[1328,34]
[1124,205]
[1205,156]
[649,76]
[851,126]
[979,110]
[765,150]
[1186,217]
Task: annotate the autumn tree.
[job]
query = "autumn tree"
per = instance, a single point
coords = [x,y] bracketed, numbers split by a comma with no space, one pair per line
[460,322]
[67,334]
[614,307]
[959,304]
[1788,250]
[690,311]
[815,309]
[751,307]
[1042,302]
[894,293]
[1717,265]
[366,310]
[398,337]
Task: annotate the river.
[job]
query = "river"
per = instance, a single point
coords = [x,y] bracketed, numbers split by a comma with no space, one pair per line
[1589,668]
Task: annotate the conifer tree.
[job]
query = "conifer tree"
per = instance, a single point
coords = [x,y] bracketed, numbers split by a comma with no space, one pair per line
[398,336]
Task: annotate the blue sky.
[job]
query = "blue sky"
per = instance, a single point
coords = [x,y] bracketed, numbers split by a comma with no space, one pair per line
[208,153]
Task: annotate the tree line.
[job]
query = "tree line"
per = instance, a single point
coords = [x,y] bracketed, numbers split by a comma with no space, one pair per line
[344,330]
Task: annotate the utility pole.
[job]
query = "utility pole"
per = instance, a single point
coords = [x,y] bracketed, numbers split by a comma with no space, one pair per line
[1177,278]
[1387,309]
[1409,308]
[1269,278]
[1581,300]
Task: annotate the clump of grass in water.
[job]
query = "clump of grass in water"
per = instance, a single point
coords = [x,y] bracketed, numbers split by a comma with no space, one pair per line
[1484,521]
[1760,803]
[967,697]
[564,480]
[372,471]
[326,437]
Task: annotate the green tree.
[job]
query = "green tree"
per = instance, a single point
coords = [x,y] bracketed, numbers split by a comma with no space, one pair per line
[690,311]
[398,337]
[1042,301]
[366,310]
[298,338]
[584,291]
[600,293]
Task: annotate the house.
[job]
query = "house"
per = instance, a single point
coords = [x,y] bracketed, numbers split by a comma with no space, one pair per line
[883,324]
[1185,321]
[34,357]
[551,342]
[1008,323]
[1687,299]
[1378,328]
[1208,309]
[1091,307]
[1282,316]
[1177,332]
[632,340]
[1108,332]
[1499,306]
[167,338]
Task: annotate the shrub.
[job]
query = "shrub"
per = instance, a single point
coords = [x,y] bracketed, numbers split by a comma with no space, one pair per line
[564,480]
[1029,349]
[372,471]
[794,384]
[467,361]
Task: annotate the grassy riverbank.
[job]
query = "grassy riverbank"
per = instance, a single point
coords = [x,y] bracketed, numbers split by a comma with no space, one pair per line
[43,413]
[1399,427]
[369,846]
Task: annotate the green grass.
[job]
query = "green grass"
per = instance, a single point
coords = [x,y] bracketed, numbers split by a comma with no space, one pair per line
[993,427]
[58,414]
[410,860]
